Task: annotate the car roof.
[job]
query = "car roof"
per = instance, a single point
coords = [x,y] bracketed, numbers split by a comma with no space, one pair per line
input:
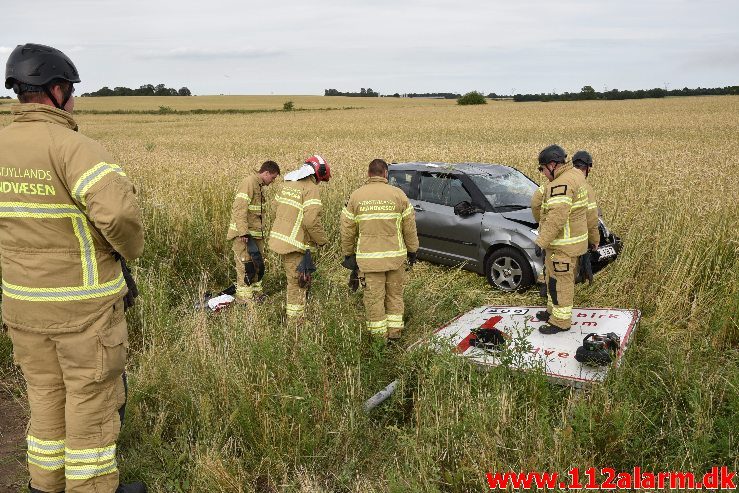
[466,168]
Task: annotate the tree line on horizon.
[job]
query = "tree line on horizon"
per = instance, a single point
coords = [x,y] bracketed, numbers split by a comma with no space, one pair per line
[588,93]
[145,90]
[585,94]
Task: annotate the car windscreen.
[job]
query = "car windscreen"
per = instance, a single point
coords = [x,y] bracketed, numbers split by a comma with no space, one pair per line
[505,188]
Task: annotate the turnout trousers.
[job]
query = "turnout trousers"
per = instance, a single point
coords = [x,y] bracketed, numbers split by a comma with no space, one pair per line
[383,302]
[245,291]
[76,390]
[296,296]
[560,282]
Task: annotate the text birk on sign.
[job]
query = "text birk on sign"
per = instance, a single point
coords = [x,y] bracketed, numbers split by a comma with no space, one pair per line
[526,348]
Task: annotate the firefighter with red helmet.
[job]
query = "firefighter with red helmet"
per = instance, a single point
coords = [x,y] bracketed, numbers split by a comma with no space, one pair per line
[68,215]
[297,227]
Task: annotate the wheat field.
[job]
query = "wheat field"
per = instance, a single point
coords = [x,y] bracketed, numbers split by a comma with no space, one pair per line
[242,401]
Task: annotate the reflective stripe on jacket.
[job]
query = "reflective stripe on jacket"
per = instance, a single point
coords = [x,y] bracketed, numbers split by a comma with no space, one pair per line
[592,216]
[297,225]
[378,225]
[64,208]
[563,224]
[246,212]
[537,201]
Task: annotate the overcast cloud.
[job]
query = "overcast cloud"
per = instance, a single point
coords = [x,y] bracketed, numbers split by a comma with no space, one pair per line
[304,47]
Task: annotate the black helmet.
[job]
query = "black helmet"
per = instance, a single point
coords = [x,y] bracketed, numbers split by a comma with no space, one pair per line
[37,65]
[552,153]
[582,159]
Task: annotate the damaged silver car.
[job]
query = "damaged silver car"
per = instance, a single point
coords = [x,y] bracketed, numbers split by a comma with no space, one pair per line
[478,216]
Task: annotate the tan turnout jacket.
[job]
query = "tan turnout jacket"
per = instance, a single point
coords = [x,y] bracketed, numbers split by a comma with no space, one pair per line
[297,224]
[246,212]
[64,208]
[378,224]
[563,223]
[592,216]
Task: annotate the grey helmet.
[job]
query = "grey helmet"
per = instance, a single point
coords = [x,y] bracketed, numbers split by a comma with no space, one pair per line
[582,159]
[552,153]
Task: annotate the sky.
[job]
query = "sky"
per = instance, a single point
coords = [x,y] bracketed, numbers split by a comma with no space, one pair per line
[297,47]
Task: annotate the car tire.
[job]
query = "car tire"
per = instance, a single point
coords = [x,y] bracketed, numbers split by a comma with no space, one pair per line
[508,269]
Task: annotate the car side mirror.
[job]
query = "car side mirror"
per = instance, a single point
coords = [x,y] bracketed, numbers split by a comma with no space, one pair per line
[464,209]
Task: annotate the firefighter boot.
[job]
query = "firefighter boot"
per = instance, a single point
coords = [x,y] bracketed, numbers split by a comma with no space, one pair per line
[543,316]
[551,329]
[137,487]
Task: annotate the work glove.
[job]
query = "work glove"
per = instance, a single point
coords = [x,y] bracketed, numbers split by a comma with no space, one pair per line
[350,262]
[133,290]
[411,258]
[354,280]
[538,251]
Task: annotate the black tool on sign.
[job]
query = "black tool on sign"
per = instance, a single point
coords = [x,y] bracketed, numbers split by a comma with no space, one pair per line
[598,350]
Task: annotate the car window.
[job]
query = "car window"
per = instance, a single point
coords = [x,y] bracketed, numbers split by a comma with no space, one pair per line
[504,189]
[401,179]
[443,190]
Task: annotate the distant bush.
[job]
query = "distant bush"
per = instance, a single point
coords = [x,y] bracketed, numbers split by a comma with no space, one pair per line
[288,106]
[472,97]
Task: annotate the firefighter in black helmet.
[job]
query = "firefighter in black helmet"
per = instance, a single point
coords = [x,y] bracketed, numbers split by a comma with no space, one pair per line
[583,161]
[63,285]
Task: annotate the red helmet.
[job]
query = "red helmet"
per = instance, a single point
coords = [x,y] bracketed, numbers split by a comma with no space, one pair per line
[320,166]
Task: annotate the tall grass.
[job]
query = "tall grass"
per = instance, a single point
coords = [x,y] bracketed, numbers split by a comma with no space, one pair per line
[244,401]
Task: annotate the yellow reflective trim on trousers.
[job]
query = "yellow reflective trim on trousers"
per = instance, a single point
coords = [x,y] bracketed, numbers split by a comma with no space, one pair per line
[71,293]
[256,234]
[559,200]
[91,177]
[562,312]
[257,208]
[91,455]
[48,447]
[395,321]
[348,214]
[570,241]
[377,324]
[46,463]
[90,471]
[294,310]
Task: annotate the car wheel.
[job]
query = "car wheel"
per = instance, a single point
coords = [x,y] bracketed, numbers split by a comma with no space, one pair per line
[508,270]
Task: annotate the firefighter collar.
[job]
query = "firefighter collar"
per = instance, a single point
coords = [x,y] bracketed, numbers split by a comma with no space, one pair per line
[561,169]
[303,172]
[376,179]
[36,112]
[259,177]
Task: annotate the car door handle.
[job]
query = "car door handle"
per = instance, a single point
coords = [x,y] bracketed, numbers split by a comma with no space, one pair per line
[418,208]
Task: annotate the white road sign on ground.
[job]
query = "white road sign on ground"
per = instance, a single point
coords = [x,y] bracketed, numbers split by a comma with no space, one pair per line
[555,354]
